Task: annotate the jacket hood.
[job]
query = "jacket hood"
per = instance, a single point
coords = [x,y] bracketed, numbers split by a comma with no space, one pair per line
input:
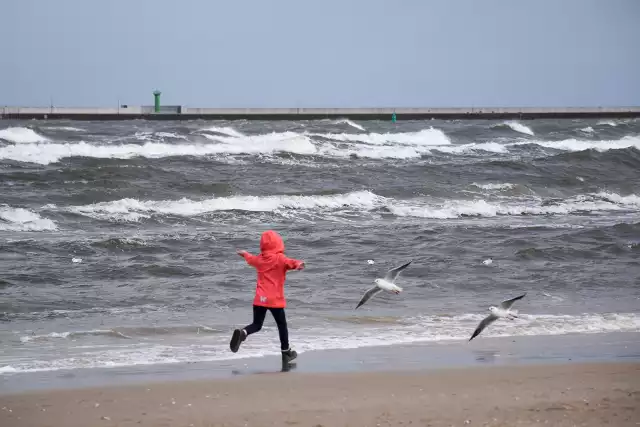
[271,242]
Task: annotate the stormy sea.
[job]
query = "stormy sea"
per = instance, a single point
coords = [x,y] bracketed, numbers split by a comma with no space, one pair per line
[118,239]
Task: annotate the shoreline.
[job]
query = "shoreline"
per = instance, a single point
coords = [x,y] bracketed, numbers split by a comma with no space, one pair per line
[189,113]
[586,394]
[420,356]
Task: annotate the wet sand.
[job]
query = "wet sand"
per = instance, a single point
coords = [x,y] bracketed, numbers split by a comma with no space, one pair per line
[574,394]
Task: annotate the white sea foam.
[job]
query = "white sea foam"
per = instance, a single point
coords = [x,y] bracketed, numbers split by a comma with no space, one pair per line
[419,329]
[72,335]
[275,142]
[50,153]
[19,219]
[156,136]
[170,135]
[492,147]
[577,145]
[365,145]
[350,123]
[496,186]
[356,203]
[374,152]
[65,128]
[457,208]
[424,137]
[134,210]
[406,145]
[519,127]
[588,129]
[141,310]
[21,135]
[11,370]
[225,130]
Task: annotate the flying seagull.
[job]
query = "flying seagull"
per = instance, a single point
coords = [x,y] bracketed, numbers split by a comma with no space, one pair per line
[385,284]
[497,313]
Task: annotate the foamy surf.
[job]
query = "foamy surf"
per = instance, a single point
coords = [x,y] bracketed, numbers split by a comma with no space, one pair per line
[451,209]
[224,130]
[519,127]
[19,219]
[490,147]
[21,135]
[578,145]
[51,153]
[424,137]
[514,126]
[350,123]
[494,186]
[72,335]
[362,203]
[134,210]
[65,128]
[223,146]
[421,329]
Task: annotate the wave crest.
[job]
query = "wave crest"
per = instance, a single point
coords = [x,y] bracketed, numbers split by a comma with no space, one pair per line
[134,210]
[224,143]
[579,145]
[350,123]
[451,209]
[419,329]
[424,137]
[19,219]
[21,135]
[360,203]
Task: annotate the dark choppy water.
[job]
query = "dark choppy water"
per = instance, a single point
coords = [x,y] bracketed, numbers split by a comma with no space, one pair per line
[117,239]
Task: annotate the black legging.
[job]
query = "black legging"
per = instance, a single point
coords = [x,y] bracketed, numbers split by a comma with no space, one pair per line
[259,314]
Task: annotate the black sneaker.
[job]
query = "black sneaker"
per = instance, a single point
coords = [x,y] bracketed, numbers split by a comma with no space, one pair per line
[288,356]
[238,336]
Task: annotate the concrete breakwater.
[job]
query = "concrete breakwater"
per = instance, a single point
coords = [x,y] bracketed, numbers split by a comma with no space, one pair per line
[190,113]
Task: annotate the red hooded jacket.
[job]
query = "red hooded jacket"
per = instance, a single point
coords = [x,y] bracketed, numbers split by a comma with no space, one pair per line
[272,266]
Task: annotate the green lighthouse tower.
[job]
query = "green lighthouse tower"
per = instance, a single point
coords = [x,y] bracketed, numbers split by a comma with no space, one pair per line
[156,99]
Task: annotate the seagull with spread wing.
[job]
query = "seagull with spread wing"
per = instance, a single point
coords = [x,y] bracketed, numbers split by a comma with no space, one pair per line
[495,313]
[385,284]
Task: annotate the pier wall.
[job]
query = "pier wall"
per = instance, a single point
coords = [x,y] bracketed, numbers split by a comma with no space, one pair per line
[191,113]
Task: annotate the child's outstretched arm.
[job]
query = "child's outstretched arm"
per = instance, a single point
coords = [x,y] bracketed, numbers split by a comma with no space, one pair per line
[293,264]
[251,259]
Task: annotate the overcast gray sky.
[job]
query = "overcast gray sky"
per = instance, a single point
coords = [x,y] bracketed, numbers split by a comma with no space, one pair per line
[344,53]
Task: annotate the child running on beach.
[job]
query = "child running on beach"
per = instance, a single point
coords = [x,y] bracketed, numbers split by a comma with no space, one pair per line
[272,266]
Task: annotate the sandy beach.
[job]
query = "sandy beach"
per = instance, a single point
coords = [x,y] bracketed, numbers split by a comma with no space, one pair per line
[579,394]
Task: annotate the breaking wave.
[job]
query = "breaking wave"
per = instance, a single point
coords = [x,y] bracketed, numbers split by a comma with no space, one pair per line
[357,203]
[122,333]
[134,210]
[450,209]
[350,123]
[19,219]
[578,145]
[497,186]
[214,347]
[20,135]
[65,128]
[224,130]
[225,142]
[72,335]
[519,127]
[514,126]
[425,137]
[51,153]
[490,147]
